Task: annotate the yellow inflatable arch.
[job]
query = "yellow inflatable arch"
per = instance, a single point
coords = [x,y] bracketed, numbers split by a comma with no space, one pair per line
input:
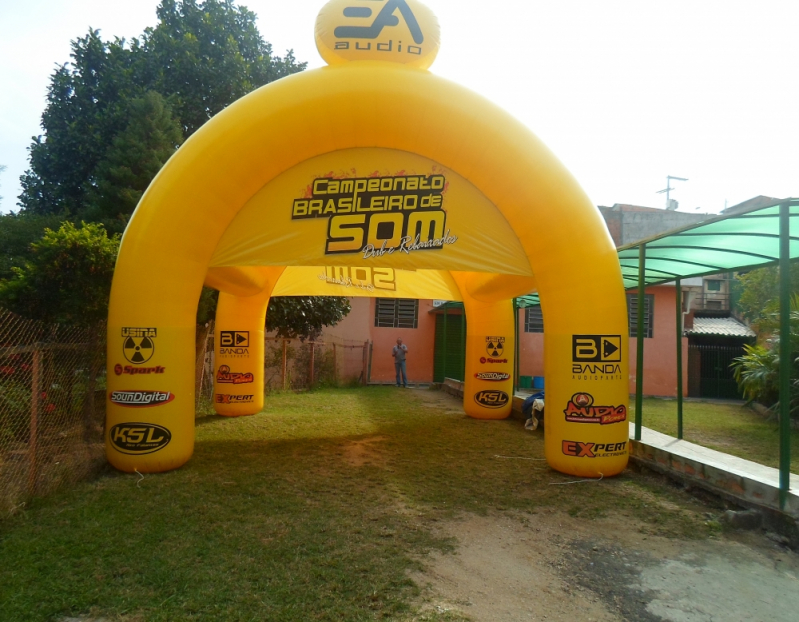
[375,170]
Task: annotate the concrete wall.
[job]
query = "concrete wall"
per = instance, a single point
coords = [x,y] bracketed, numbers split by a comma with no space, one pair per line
[356,326]
[630,223]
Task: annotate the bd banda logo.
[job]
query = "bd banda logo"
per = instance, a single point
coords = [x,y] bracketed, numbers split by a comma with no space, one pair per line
[378,216]
[139,438]
[485,360]
[492,376]
[133,371]
[596,357]
[138,344]
[495,346]
[234,342]
[224,398]
[581,409]
[491,399]
[365,278]
[141,399]
[224,375]
[578,449]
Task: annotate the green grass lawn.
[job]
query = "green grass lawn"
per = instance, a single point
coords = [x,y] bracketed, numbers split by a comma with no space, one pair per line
[315,509]
[733,429]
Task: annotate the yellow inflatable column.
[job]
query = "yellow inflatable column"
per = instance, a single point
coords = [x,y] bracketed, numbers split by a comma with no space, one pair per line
[239,354]
[488,386]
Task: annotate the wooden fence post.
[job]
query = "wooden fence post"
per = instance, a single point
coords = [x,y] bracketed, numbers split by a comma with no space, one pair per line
[313,351]
[283,366]
[335,366]
[36,400]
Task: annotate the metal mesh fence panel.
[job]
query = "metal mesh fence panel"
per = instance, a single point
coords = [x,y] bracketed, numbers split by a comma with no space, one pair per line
[52,406]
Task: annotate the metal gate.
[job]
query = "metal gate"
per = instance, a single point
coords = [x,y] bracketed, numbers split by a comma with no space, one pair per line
[709,371]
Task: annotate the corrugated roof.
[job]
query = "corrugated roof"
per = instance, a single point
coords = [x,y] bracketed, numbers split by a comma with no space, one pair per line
[719,326]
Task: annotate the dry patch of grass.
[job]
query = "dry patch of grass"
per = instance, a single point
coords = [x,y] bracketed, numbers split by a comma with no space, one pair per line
[319,508]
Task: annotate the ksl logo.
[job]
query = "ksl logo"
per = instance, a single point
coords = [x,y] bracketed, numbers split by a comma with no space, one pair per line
[578,449]
[138,345]
[491,399]
[596,348]
[139,438]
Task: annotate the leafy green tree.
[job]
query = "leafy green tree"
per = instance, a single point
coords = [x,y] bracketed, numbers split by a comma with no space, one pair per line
[136,155]
[305,317]
[17,232]
[67,279]
[760,292]
[200,57]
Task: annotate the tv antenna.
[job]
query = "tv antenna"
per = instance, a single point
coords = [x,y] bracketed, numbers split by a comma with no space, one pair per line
[668,189]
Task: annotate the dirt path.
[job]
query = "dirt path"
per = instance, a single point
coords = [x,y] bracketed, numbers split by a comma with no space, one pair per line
[549,566]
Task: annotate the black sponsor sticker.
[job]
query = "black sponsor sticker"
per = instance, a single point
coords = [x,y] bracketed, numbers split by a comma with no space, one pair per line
[491,398]
[138,344]
[139,438]
[492,376]
[596,348]
[141,399]
[495,346]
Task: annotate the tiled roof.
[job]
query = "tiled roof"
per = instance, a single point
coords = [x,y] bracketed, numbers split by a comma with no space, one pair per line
[722,326]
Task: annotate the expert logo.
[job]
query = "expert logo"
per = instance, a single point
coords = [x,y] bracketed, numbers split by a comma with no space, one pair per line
[581,409]
[224,398]
[578,449]
[139,438]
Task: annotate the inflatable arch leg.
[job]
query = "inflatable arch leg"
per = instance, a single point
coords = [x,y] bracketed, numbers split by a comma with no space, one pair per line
[239,354]
[488,386]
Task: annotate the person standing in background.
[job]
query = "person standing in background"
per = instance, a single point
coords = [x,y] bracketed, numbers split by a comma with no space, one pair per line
[398,352]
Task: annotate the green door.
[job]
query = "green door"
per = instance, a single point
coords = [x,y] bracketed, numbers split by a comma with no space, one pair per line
[454,348]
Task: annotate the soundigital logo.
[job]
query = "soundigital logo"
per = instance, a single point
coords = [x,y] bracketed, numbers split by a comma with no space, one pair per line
[138,344]
[223,398]
[141,399]
[581,409]
[596,357]
[492,376]
[379,216]
[491,399]
[224,375]
[133,371]
[578,449]
[234,342]
[139,438]
[495,346]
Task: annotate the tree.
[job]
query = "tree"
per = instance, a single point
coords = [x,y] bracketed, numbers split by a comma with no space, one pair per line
[67,279]
[760,292]
[17,232]
[304,317]
[200,57]
[2,168]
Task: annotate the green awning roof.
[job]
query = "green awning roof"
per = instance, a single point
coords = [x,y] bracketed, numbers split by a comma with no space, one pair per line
[728,243]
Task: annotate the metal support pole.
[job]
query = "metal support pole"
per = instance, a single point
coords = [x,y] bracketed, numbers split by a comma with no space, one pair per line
[785,354]
[444,358]
[463,343]
[515,346]
[639,323]
[679,359]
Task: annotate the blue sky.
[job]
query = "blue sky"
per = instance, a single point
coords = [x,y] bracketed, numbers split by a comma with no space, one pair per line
[624,92]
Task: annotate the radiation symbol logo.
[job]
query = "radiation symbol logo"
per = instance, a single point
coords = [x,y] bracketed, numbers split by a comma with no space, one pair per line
[138,350]
[495,346]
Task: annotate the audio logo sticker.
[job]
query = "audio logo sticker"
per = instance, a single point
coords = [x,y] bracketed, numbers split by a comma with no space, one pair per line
[495,346]
[224,375]
[138,344]
[581,409]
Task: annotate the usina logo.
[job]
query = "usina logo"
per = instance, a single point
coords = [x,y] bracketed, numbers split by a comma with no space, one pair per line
[224,398]
[495,346]
[379,216]
[139,438]
[400,31]
[225,376]
[234,342]
[365,278]
[581,409]
[485,360]
[596,357]
[138,344]
[492,376]
[141,399]
[491,399]
[578,449]
[133,371]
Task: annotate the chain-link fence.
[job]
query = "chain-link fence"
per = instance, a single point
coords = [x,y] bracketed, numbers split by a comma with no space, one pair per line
[52,405]
[294,365]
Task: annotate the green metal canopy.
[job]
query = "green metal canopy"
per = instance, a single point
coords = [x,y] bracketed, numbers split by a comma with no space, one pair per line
[732,242]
